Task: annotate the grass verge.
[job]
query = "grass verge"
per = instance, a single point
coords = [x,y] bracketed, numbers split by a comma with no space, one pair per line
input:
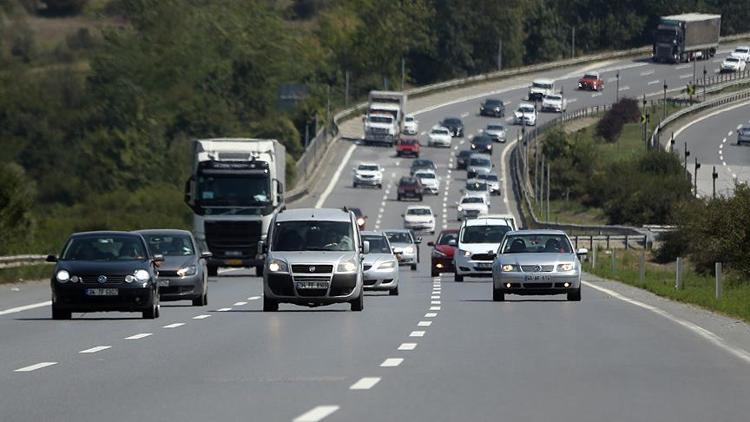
[660,279]
[20,274]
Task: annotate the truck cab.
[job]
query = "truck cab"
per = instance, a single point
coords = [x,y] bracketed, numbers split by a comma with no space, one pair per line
[385,117]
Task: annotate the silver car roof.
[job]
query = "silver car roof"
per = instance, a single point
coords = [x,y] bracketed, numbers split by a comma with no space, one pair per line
[539,232]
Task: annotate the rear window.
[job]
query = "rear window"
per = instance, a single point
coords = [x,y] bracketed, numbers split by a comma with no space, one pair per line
[367,168]
[473,200]
[418,211]
[480,162]
[483,234]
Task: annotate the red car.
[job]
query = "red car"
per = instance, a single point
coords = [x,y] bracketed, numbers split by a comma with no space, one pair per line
[408,147]
[591,82]
[442,252]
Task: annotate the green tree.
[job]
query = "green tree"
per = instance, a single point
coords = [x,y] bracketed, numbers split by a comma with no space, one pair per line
[16,202]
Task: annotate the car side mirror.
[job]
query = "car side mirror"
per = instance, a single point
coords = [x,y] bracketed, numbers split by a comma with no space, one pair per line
[582,252]
[51,258]
[452,242]
[431,243]
[262,247]
[366,247]
[206,254]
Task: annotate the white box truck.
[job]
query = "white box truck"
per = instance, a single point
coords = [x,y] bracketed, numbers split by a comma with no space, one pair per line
[235,189]
[385,117]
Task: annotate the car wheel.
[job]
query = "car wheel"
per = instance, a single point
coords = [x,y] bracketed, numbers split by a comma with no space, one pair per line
[259,270]
[201,301]
[380,186]
[270,305]
[213,271]
[399,197]
[458,278]
[60,314]
[420,198]
[414,267]
[393,292]
[574,295]
[435,273]
[152,312]
[498,295]
[359,303]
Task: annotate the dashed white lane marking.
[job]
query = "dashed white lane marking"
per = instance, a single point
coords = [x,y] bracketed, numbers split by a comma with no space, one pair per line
[34,367]
[648,72]
[407,346]
[138,336]
[724,141]
[624,88]
[430,315]
[435,296]
[240,304]
[423,133]
[416,334]
[598,94]
[683,66]
[204,316]
[434,308]
[464,115]
[95,349]
[572,100]
[253,298]
[653,82]
[424,323]
[434,302]
[365,383]
[706,334]
[730,133]
[391,362]
[317,414]
[175,325]
[223,309]
[335,178]
[689,75]
[739,126]
[26,307]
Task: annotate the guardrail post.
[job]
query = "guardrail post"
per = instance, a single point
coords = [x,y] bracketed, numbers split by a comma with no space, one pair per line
[626,242]
[717,270]
[593,257]
[642,266]
[614,259]
[591,241]
[678,275]
[576,242]
[607,242]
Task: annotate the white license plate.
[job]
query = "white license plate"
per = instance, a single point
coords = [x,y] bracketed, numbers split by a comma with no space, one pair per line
[163,283]
[537,277]
[485,266]
[312,284]
[101,292]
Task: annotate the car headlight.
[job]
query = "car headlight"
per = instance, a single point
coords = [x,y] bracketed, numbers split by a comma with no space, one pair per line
[142,275]
[62,276]
[387,265]
[568,266]
[360,221]
[580,85]
[460,208]
[346,267]
[408,250]
[189,270]
[278,266]
[437,254]
[464,253]
[508,268]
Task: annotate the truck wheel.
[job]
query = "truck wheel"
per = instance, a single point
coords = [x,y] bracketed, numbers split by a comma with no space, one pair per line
[270,305]
[213,270]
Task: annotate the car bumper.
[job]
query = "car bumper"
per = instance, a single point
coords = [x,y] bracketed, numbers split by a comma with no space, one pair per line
[544,283]
[467,214]
[180,288]
[440,143]
[743,139]
[404,152]
[420,226]
[555,109]
[281,287]
[442,265]
[431,189]
[467,267]
[406,259]
[380,279]
[410,194]
[368,182]
[128,299]
[410,131]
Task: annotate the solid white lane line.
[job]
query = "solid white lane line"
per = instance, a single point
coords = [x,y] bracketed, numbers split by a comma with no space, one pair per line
[648,72]
[253,298]
[706,334]
[682,66]
[417,334]
[95,349]
[204,316]
[240,304]
[424,323]
[430,315]
[365,383]
[138,336]
[391,362]
[598,94]
[316,414]
[223,309]
[407,346]
[175,325]
[653,82]
[35,367]
[26,307]
[624,88]
[689,75]
[335,177]
[572,100]
[434,308]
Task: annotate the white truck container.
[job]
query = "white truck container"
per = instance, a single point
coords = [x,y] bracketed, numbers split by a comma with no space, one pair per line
[385,117]
[235,189]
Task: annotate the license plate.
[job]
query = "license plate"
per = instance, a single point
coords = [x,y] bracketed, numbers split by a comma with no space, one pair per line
[101,292]
[312,284]
[163,283]
[233,262]
[484,265]
[536,277]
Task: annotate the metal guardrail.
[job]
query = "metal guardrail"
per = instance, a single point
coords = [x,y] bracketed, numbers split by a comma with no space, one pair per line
[21,260]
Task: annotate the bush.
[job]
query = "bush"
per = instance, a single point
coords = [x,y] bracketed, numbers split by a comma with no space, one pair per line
[16,201]
[610,126]
[62,7]
[22,42]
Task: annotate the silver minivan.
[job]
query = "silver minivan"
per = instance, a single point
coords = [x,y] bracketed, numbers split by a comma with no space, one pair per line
[313,257]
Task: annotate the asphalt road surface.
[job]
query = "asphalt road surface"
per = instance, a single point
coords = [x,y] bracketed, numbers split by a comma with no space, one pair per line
[441,351]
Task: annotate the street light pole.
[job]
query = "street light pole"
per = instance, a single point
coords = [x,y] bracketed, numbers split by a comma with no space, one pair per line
[704,83]
[617,89]
[664,113]
[687,154]
[714,176]
[695,177]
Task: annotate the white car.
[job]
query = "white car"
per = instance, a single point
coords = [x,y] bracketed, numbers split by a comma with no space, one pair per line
[430,181]
[525,115]
[493,182]
[496,131]
[478,187]
[742,52]
[367,174]
[541,88]
[471,206]
[419,217]
[440,136]
[478,242]
[411,125]
[733,64]
[554,102]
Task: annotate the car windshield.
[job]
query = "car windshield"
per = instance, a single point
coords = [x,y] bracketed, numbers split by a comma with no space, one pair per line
[407,181]
[399,237]
[536,243]
[313,236]
[380,119]
[483,234]
[741,50]
[445,238]
[452,121]
[409,142]
[357,212]
[367,167]
[465,153]
[590,76]
[554,97]
[230,189]
[489,177]
[473,200]
[418,211]
[541,85]
[408,119]
[169,245]
[440,132]
[480,162]
[732,59]
[426,175]
[495,127]
[476,186]
[105,248]
[492,103]
[481,140]
[423,164]
[378,243]
[526,109]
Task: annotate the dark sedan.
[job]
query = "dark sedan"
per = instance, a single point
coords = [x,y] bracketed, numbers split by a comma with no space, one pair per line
[183,274]
[462,158]
[455,125]
[105,271]
[482,143]
[421,164]
[492,107]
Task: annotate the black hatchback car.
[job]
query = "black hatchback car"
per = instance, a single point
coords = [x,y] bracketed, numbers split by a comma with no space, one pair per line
[183,274]
[462,158]
[410,187]
[455,125]
[492,107]
[482,143]
[105,271]
[421,164]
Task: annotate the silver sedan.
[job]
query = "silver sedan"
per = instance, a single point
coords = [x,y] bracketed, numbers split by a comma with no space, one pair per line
[380,266]
[743,135]
[537,262]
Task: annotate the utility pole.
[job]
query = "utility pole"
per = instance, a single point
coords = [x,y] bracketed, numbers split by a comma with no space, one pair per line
[328,109]
[499,54]
[694,78]
[687,154]
[617,89]
[403,72]
[704,83]
[644,122]
[385,83]
[714,176]
[664,113]
[536,175]
[346,89]
[695,177]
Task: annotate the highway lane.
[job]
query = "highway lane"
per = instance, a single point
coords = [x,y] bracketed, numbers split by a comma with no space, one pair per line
[712,139]
[475,360]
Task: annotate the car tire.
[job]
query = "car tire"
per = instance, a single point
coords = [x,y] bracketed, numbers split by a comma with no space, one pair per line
[399,197]
[270,305]
[420,198]
[201,301]
[434,273]
[354,185]
[393,292]
[213,270]
[358,304]
[153,311]
[458,278]
[413,267]
[60,314]
[498,295]
[380,186]
[574,295]
[259,270]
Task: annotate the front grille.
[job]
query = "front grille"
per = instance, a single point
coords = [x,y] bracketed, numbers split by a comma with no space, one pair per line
[233,236]
[537,285]
[163,273]
[311,292]
[325,278]
[175,289]
[483,257]
[94,279]
[379,130]
[312,269]
[343,284]
[281,284]
[366,176]
[366,267]
[537,268]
